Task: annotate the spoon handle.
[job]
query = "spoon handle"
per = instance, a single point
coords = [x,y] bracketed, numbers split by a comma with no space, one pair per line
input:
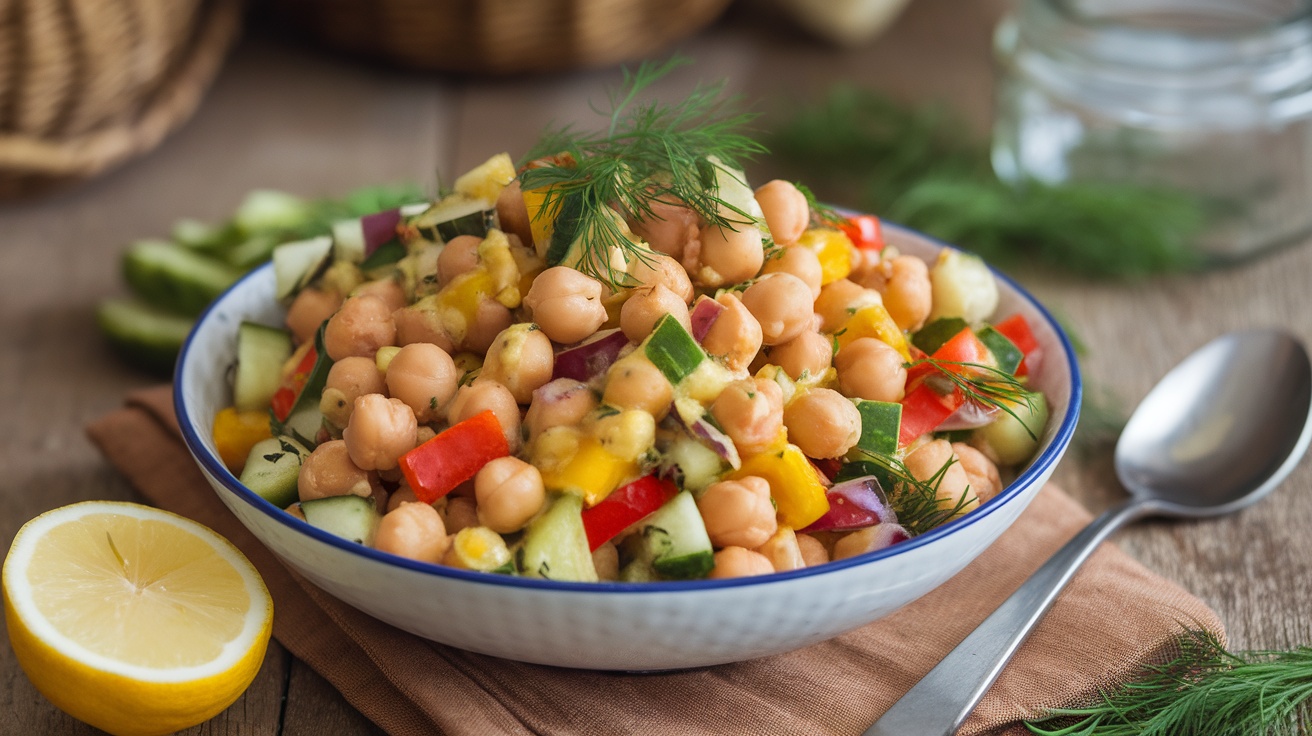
[940,702]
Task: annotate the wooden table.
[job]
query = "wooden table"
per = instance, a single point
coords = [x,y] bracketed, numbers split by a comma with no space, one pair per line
[290,118]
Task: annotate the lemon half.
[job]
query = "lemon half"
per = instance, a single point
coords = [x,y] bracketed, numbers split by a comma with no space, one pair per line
[132,619]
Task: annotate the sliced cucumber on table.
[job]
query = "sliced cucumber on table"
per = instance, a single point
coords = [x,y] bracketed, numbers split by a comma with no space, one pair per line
[174,277]
[144,335]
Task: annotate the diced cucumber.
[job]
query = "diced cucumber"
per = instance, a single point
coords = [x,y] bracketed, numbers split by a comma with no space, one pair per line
[699,466]
[303,423]
[1015,438]
[671,349]
[455,215]
[638,570]
[296,264]
[932,336]
[261,351]
[272,468]
[732,189]
[565,242]
[555,545]
[880,424]
[676,541]
[304,419]
[1005,352]
[350,517]
[174,277]
[146,336]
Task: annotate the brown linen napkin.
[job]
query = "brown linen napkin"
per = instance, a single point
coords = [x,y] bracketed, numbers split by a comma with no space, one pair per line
[1114,616]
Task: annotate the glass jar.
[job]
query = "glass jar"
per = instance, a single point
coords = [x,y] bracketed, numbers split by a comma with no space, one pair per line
[1212,98]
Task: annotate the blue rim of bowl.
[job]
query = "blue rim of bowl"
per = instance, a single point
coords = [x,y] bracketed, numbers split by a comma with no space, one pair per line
[216,469]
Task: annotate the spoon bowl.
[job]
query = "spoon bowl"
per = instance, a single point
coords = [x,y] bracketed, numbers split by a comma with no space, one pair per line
[1219,432]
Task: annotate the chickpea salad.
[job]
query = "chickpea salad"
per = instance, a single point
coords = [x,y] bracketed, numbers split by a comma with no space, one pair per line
[619,361]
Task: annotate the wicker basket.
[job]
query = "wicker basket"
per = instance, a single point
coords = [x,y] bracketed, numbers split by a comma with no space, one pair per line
[86,84]
[500,36]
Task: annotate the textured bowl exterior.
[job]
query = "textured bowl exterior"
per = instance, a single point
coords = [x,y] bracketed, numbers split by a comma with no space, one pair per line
[615,626]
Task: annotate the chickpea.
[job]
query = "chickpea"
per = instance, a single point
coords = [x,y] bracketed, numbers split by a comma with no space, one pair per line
[421,322]
[735,336]
[388,289]
[606,559]
[786,210]
[840,300]
[566,304]
[490,318]
[487,395]
[736,562]
[729,254]
[626,435]
[380,431]
[512,213]
[563,401]
[308,310]
[520,358]
[360,327]
[751,412]
[413,530]
[403,494]
[461,513]
[781,302]
[348,379]
[669,228]
[926,461]
[985,481]
[808,354]
[508,492]
[812,550]
[782,550]
[635,383]
[658,268]
[459,255]
[800,262]
[646,307]
[423,376]
[822,423]
[908,296]
[328,471]
[869,369]
[738,513]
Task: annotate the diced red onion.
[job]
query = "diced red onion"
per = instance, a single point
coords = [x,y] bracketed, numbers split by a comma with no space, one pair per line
[704,313]
[970,415]
[557,390]
[379,228]
[582,362]
[854,504]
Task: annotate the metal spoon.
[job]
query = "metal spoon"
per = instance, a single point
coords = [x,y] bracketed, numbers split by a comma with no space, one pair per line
[1220,431]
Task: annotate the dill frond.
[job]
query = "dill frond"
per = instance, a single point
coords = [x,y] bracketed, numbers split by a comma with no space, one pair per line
[984,385]
[916,502]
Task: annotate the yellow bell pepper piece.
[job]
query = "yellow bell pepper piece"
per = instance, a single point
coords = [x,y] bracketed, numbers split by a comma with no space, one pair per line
[834,250]
[795,484]
[873,321]
[542,224]
[236,432]
[457,302]
[592,473]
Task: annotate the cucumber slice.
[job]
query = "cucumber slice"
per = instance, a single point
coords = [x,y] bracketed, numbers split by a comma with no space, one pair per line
[350,517]
[261,351]
[272,468]
[555,545]
[298,263]
[673,350]
[1005,352]
[174,277]
[145,336]
[454,215]
[1014,439]
[565,231]
[676,541]
[880,423]
[932,336]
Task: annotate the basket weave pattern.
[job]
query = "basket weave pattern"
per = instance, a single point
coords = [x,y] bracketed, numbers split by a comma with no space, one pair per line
[501,36]
[86,84]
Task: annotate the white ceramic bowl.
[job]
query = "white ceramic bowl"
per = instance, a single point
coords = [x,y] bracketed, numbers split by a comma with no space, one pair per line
[615,626]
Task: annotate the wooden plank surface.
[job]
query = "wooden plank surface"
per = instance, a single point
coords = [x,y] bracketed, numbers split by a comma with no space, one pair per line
[285,117]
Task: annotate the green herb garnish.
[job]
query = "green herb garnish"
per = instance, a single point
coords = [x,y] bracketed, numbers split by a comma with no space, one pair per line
[916,502]
[984,385]
[649,152]
[1203,691]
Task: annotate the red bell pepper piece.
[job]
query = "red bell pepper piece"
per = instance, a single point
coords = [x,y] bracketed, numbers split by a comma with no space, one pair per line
[290,388]
[923,409]
[963,347]
[864,232]
[436,467]
[624,506]
[1017,329]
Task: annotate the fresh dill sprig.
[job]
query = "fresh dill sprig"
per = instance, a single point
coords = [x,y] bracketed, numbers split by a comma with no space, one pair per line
[822,215]
[984,385]
[1204,691]
[649,152]
[916,502]
[922,168]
